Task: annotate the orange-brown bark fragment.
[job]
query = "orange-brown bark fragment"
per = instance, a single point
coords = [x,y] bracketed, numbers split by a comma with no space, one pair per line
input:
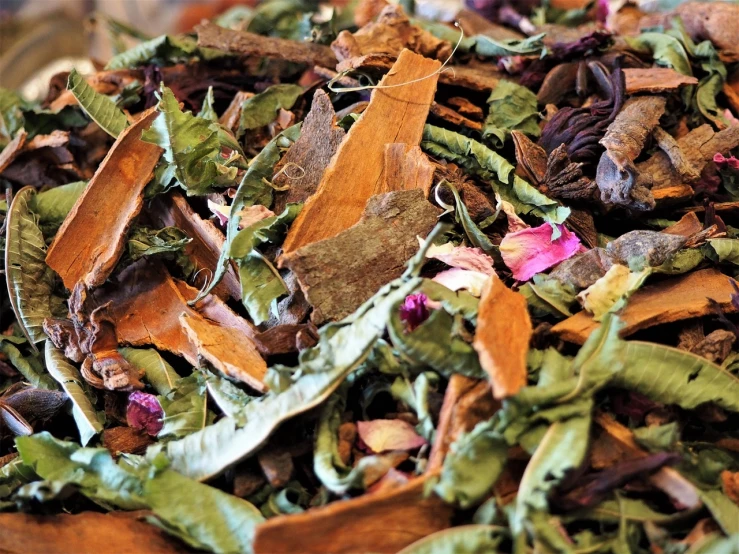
[675,299]
[407,168]
[395,114]
[655,79]
[92,237]
[502,337]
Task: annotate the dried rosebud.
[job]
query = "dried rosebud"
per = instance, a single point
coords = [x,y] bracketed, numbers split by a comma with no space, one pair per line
[414,310]
[144,412]
[722,161]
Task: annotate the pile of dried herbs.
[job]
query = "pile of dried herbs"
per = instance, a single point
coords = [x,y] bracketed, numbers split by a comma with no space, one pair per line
[337,280]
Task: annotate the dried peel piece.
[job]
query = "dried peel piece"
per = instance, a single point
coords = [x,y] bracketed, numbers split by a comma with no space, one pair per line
[91,239]
[502,337]
[394,115]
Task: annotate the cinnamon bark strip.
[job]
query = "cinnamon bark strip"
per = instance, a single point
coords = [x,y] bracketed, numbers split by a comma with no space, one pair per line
[655,79]
[467,402]
[85,533]
[675,299]
[502,337]
[244,43]
[394,115]
[205,247]
[92,237]
[386,520]
[407,168]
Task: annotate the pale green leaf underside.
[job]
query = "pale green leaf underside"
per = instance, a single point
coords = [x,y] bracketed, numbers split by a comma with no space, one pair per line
[101,109]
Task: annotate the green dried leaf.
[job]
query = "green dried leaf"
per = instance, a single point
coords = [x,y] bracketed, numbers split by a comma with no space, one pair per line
[218,522]
[510,107]
[464,539]
[30,280]
[185,408]
[162,50]
[342,348]
[261,109]
[194,146]
[53,205]
[11,115]
[667,51]
[207,112]
[68,376]
[159,373]
[101,109]
[495,169]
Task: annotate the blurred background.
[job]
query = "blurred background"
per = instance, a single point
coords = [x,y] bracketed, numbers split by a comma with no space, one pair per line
[39,38]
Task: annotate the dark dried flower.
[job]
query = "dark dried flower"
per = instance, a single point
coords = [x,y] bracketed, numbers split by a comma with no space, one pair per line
[722,161]
[144,412]
[414,310]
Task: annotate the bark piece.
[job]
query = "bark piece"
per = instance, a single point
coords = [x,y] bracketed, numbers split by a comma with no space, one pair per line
[146,303]
[55,139]
[666,479]
[310,154]
[697,149]
[502,337]
[231,117]
[617,177]
[358,261]
[716,346]
[211,35]
[655,79]
[205,247]
[683,297]
[450,116]
[393,519]
[85,533]
[582,270]
[467,402]
[407,168]
[687,226]
[237,359]
[283,339]
[277,465]
[126,440]
[390,34]
[473,23]
[12,149]
[466,108]
[678,159]
[92,237]
[394,115]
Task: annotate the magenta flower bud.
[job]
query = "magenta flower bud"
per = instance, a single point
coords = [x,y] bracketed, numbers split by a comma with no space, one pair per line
[144,413]
[414,310]
[722,160]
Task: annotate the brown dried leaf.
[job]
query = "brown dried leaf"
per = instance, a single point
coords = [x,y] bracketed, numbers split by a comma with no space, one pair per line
[389,35]
[655,79]
[683,297]
[393,518]
[502,337]
[12,149]
[361,259]
[394,115]
[277,465]
[91,239]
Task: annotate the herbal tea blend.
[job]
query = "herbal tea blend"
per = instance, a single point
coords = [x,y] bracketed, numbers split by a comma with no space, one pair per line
[378,278]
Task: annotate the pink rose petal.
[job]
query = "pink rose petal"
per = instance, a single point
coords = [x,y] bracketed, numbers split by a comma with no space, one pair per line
[462,257]
[144,412]
[382,435]
[458,279]
[531,251]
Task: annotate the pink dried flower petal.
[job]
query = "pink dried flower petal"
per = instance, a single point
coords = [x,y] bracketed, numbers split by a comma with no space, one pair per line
[144,412]
[383,435]
[249,215]
[458,279]
[531,251]
[414,310]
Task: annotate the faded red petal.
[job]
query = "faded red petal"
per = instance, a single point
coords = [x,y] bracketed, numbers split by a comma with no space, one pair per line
[383,435]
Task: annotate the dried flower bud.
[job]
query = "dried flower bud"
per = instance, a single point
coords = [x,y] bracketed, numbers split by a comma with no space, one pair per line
[414,310]
[144,412]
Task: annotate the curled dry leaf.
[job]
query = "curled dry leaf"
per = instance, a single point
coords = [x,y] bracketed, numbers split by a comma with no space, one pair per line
[502,337]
